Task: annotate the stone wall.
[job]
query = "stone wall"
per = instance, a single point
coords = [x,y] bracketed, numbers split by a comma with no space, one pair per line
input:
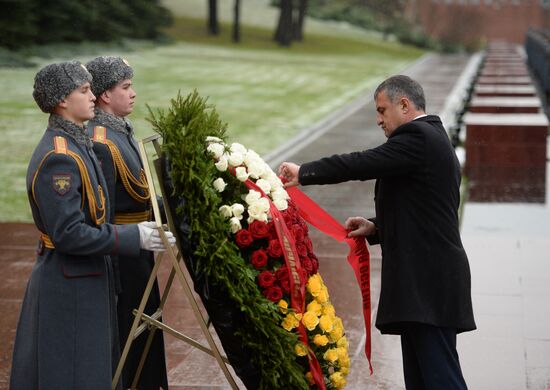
[477,21]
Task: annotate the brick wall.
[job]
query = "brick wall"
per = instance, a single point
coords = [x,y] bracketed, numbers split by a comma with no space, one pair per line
[473,21]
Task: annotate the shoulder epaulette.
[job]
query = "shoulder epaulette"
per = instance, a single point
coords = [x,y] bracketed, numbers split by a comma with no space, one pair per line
[60,145]
[100,134]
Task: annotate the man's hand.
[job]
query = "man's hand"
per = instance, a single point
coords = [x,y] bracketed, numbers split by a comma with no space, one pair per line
[149,237]
[359,226]
[289,171]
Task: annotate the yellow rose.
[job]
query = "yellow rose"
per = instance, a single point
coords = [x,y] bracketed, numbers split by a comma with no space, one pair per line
[344,370]
[291,321]
[328,309]
[314,285]
[309,377]
[342,353]
[322,296]
[310,320]
[331,355]
[315,307]
[338,380]
[320,340]
[336,333]
[283,306]
[338,322]
[345,362]
[326,323]
[343,342]
[300,349]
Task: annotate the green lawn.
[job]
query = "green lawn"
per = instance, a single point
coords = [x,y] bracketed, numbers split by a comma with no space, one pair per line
[265,93]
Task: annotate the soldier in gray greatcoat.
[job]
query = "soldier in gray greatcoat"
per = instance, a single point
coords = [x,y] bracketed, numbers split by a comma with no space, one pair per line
[118,153]
[67,331]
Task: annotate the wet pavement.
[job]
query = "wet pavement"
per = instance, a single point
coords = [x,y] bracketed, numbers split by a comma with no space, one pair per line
[507,245]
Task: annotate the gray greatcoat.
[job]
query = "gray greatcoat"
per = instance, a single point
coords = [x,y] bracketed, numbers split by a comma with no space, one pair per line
[67,332]
[425,271]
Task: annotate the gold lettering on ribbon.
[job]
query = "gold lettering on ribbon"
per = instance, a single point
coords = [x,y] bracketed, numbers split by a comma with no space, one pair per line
[292,267]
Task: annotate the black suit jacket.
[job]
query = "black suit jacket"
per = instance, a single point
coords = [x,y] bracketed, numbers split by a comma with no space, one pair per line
[425,271]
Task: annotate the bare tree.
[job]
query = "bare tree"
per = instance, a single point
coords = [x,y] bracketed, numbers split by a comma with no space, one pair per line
[236,21]
[213,25]
[283,34]
[298,21]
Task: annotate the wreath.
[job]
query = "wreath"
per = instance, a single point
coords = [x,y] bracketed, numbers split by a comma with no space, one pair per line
[248,251]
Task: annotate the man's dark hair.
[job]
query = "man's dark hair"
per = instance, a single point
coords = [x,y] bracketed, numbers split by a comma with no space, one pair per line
[398,86]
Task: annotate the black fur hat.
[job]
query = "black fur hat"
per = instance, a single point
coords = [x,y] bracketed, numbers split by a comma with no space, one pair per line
[108,72]
[54,82]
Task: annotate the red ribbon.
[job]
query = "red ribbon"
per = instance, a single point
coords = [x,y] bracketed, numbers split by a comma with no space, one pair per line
[358,256]
[297,287]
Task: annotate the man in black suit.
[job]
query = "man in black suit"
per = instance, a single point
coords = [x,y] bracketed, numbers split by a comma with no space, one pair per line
[425,292]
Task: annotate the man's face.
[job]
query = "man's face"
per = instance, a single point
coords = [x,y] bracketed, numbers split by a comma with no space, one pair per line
[389,116]
[122,98]
[79,104]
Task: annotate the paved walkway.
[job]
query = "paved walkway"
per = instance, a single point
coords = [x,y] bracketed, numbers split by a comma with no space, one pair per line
[505,243]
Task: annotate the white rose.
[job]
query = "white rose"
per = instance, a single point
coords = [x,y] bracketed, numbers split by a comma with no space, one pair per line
[237,209]
[225,211]
[259,217]
[219,184]
[238,148]
[216,150]
[252,197]
[255,168]
[235,225]
[241,173]
[264,202]
[279,194]
[222,164]
[274,180]
[235,159]
[259,206]
[211,138]
[264,185]
[251,156]
[281,204]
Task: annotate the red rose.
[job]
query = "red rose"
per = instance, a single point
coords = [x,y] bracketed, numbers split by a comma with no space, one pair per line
[285,285]
[297,232]
[282,273]
[307,265]
[273,293]
[309,244]
[259,259]
[288,219]
[303,275]
[266,279]
[272,231]
[304,226]
[258,229]
[301,249]
[243,238]
[274,249]
[314,263]
[284,278]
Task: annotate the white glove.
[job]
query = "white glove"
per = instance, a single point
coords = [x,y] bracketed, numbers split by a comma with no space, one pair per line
[149,237]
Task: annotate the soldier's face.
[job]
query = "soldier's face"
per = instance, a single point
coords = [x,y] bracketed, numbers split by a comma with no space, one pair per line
[122,97]
[79,104]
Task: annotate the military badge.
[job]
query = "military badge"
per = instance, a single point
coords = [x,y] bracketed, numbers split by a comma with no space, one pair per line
[61,183]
